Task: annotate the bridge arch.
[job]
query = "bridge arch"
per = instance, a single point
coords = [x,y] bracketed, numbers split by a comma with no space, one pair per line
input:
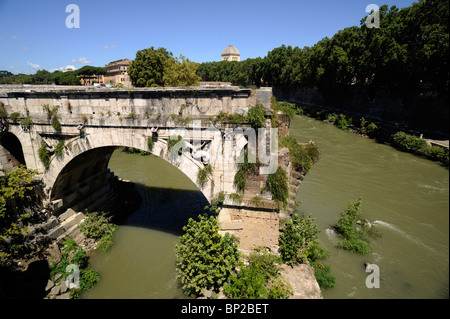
[86,157]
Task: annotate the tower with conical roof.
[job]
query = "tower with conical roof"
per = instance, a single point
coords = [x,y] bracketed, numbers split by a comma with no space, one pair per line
[231,54]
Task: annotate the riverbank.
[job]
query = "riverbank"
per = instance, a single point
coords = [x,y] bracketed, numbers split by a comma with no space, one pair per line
[398,136]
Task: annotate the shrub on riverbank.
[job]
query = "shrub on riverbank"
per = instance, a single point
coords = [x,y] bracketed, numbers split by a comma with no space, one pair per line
[205,258]
[74,255]
[259,278]
[97,225]
[298,244]
[416,145]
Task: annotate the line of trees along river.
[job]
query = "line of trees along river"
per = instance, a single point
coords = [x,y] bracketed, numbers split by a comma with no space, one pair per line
[402,61]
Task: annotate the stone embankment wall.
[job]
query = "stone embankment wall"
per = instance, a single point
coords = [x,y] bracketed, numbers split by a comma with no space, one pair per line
[426,112]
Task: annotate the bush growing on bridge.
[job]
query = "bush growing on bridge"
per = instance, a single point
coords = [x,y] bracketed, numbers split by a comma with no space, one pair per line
[302,156]
[278,184]
[202,175]
[255,116]
[44,155]
[205,258]
[59,148]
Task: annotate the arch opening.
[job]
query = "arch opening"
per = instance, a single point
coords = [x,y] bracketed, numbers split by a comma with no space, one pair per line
[11,151]
[92,181]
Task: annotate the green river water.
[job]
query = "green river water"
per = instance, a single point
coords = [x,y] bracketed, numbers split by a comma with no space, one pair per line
[406,197]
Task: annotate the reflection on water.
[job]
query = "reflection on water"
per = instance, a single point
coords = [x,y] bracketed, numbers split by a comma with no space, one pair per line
[141,263]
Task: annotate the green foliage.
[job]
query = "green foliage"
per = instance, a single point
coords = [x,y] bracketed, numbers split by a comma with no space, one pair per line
[157,67]
[298,243]
[298,240]
[202,175]
[173,140]
[245,169]
[56,124]
[278,184]
[236,198]
[232,118]
[14,116]
[3,113]
[339,120]
[150,143]
[98,226]
[59,149]
[416,145]
[368,128]
[323,275]
[74,254]
[288,109]
[205,259]
[259,278]
[216,205]
[133,150]
[255,116]
[50,110]
[355,234]
[44,155]
[302,156]
[402,55]
[409,143]
[181,72]
[88,279]
[27,122]
[13,187]
[88,70]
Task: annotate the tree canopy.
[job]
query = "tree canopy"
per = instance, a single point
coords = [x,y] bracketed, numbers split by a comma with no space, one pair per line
[409,50]
[88,70]
[157,67]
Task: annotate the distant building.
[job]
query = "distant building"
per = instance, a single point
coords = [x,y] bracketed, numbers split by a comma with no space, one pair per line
[231,54]
[90,79]
[117,73]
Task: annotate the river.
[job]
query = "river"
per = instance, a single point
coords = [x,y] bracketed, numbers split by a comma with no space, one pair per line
[406,197]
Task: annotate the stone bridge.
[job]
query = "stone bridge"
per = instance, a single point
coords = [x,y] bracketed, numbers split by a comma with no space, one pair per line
[92,122]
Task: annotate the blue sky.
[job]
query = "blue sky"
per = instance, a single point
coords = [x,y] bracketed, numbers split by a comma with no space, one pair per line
[33,34]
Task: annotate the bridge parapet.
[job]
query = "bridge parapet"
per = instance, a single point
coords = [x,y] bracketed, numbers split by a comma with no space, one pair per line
[111,106]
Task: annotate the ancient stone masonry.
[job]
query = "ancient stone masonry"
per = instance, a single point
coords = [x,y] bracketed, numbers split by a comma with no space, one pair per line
[94,122]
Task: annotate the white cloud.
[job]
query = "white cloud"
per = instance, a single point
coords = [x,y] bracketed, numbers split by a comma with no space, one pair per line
[64,68]
[84,60]
[73,60]
[34,66]
[111,47]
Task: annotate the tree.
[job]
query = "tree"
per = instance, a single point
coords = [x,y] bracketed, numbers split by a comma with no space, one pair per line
[180,72]
[13,188]
[205,259]
[157,67]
